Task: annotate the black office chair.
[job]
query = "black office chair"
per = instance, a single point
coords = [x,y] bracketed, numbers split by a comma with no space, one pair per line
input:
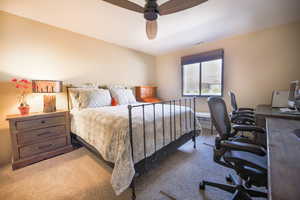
[235,106]
[245,123]
[241,119]
[248,160]
[257,134]
[240,115]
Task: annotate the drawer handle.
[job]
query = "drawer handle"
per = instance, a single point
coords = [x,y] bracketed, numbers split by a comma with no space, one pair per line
[43,122]
[45,133]
[45,146]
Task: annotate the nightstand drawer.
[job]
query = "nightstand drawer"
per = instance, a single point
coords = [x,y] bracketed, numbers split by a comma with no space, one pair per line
[40,134]
[40,123]
[31,150]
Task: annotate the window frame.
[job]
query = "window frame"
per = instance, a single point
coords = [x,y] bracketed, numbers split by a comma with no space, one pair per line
[199,58]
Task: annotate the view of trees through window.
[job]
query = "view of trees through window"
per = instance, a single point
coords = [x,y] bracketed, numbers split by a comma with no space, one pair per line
[191,74]
[211,78]
[203,78]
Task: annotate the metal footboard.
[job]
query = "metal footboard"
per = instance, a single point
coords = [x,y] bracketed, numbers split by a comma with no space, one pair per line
[175,141]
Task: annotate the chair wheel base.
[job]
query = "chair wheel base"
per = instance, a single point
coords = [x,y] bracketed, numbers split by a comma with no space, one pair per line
[238,191]
[202,186]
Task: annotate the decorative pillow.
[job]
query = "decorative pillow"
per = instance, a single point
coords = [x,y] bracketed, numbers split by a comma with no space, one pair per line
[114,102]
[74,95]
[94,98]
[123,96]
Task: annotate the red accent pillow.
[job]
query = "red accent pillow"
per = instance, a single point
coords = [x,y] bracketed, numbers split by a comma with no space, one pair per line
[114,102]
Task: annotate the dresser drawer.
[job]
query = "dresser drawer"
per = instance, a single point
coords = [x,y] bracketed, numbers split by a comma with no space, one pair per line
[40,134]
[40,123]
[31,150]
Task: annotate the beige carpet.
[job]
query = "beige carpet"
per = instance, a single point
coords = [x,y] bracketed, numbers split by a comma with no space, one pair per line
[79,175]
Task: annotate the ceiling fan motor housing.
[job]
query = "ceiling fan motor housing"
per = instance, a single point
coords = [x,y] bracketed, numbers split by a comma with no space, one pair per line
[151,10]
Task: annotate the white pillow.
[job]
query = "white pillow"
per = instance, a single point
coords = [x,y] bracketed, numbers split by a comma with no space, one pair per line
[94,98]
[123,96]
[74,95]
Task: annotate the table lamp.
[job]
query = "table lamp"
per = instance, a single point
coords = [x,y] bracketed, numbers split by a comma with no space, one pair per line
[43,86]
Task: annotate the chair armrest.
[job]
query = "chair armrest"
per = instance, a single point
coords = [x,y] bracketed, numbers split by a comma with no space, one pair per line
[245,117]
[249,109]
[242,119]
[243,112]
[248,128]
[242,139]
[240,146]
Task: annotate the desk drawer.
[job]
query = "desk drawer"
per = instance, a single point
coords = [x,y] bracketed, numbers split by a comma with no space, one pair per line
[40,123]
[40,134]
[31,150]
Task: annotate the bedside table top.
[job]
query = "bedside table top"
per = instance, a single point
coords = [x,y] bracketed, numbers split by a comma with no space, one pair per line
[35,114]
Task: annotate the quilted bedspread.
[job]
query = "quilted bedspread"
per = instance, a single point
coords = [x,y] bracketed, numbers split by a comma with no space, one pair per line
[107,129]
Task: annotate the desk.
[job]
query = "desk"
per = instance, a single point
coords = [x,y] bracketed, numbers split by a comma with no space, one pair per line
[264,111]
[283,159]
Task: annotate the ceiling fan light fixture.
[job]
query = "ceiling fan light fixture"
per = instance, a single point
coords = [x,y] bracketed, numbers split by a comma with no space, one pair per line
[152,10]
[151,29]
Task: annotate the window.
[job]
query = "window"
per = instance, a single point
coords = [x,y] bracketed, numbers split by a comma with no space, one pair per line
[202,74]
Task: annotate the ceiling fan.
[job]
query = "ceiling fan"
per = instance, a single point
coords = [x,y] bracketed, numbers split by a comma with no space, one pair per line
[152,10]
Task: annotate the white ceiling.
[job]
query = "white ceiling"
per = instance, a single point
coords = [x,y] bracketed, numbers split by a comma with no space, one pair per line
[212,20]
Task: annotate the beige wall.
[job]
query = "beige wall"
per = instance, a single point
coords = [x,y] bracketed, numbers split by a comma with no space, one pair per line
[33,50]
[255,65]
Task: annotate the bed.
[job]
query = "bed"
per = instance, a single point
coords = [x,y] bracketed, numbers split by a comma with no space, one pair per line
[132,138]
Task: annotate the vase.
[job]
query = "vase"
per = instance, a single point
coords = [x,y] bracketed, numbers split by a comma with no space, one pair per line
[24,110]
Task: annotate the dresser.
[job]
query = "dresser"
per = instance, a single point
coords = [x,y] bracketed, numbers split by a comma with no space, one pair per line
[146,94]
[38,136]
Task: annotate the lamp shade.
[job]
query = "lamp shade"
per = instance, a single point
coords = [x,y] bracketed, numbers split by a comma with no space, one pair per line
[43,86]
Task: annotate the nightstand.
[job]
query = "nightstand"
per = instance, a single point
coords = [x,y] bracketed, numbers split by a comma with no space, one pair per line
[146,94]
[38,136]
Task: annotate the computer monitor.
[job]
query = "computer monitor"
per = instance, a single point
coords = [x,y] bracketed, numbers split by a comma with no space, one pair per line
[293,87]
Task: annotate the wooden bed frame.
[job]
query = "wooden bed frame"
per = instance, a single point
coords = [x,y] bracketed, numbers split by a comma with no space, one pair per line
[150,162]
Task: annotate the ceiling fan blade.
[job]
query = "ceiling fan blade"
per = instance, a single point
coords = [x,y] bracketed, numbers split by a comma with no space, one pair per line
[173,6]
[127,5]
[151,29]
